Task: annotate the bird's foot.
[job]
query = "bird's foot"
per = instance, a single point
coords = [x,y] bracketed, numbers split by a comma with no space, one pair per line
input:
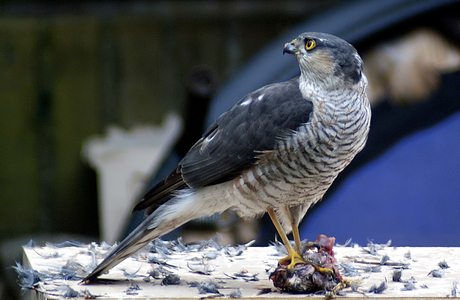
[294,258]
[325,271]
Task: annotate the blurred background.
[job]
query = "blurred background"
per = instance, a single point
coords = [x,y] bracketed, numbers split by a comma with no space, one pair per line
[86,86]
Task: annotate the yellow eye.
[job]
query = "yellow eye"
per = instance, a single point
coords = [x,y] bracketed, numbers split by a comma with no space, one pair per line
[310,44]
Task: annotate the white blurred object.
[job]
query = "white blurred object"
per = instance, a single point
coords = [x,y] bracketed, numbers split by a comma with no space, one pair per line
[408,69]
[124,159]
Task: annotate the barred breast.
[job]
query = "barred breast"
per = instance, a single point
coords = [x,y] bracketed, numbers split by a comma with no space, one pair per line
[306,161]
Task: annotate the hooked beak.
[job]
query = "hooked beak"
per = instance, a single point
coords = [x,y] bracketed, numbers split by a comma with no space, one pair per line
[289,48]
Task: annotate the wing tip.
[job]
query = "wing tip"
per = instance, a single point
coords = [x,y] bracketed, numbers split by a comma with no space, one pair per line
[139,205]
[161,192]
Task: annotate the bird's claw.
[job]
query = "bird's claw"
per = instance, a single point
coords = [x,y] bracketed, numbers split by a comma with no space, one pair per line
[292,259]
[325,271]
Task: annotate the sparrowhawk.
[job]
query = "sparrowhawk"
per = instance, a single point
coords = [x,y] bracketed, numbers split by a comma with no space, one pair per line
[277,150]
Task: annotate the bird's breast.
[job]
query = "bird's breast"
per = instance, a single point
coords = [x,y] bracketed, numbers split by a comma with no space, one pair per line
[308,160]
[305,162]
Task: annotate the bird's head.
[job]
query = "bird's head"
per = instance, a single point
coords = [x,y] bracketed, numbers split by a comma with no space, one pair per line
[326,60]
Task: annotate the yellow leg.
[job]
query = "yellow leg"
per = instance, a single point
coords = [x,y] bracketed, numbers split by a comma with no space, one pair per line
[295,229]
[293,256]
[295,232]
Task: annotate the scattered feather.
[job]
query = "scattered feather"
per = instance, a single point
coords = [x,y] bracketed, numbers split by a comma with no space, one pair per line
[68,292]
[48,256]
[347,242]
[30,244]
[407,255]
[279,247]
[211,255]
[244,275]
[349,270]
[408,286]
[373,248]
[397,275]
[384,259]
[203,268]
[93,264]
[155,273]
[87,295]
[436,273]
[154,259]
[178,246]
[211,243]
[208,288]
[453,291]
[131,274]
[250,243]
[236,294]
[372,269]
[72,270]
[232,251]
[28,278]
[158,272]
[443,265]
[132,289]
[161,247]
[171,279]
[378,289]
[70,243]
[355,285]
[105,246]
[252,278]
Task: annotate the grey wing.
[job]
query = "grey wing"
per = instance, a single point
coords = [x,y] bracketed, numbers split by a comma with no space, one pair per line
[234,140]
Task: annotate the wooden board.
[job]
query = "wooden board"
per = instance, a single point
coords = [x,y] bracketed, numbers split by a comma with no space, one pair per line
[255,263]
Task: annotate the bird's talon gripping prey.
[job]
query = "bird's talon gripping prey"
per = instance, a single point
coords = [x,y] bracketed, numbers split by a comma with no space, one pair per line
[278,150]
[295,258]
[292,259]
[325,271]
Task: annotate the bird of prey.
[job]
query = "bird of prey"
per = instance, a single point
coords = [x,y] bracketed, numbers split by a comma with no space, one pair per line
[277,150]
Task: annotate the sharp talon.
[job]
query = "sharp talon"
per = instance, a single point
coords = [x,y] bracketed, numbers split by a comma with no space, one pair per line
[293,259]
[326,271]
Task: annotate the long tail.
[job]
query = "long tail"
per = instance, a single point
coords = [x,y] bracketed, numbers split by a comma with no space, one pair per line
[185,206]
[137,239]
